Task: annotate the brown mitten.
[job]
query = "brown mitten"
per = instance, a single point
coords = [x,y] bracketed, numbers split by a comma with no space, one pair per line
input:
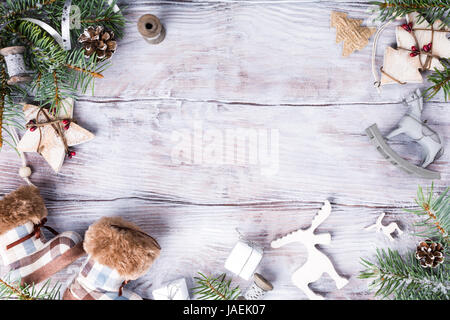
[118,251]
[22,245]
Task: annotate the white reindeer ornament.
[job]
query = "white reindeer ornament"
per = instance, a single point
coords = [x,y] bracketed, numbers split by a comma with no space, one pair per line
[412,125]
[317,263]
[387,230]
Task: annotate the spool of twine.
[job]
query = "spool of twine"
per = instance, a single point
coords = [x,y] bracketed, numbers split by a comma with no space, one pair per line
[151,29]
[258,289]
[15,64]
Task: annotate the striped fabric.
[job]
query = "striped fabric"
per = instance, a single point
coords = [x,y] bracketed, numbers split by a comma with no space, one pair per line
[98,282]
[35,260]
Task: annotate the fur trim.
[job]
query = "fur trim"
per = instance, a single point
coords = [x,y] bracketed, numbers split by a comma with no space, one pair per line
[21,206]
[122,246]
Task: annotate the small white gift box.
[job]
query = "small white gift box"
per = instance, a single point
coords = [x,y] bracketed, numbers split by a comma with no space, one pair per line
[244,259]
[174,290]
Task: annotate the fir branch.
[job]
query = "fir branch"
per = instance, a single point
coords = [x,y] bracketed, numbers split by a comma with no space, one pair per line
[91,73]
[430,10]
[19,8]
[9,111]
[404,279]
[93,12]
[441,80]
[14,290]
[59,73]
[219,288]
[435,209]
[4,90]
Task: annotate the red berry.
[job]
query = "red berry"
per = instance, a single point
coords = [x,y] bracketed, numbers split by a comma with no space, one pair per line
[407,27]
[65,122]
[32,129]
[71,154]
[413,48]
[67,127]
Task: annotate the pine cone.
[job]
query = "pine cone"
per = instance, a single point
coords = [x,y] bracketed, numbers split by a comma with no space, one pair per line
[98,40]
[430,254]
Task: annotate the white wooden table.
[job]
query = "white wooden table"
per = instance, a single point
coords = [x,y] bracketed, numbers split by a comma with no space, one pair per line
[230,65]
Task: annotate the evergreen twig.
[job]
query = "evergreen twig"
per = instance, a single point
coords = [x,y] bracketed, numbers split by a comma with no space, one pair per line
[215,288]
[15,290]
[435,209]
[404,279]
[441,81]
[58,74]
[430,10]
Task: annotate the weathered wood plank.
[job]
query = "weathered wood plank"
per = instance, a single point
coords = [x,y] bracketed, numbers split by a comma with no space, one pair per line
[184,253]
[323,151]
[230,66]
[234,52]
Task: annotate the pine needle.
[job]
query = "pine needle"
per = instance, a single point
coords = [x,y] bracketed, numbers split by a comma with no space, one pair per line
[215,288]
[14,290]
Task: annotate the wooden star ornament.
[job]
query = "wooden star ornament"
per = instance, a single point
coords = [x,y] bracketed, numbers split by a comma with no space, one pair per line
[420,46]
[350,31]
[50,135]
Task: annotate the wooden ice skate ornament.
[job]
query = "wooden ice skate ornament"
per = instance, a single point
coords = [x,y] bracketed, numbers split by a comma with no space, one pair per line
[317,263]
[411,125]
[387,230]
[15,64]
[151,29]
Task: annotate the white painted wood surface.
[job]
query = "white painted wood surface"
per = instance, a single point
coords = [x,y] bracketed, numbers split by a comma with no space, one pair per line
[231,65]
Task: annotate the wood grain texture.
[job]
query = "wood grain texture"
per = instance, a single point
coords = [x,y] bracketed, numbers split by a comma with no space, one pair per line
[229,66]
[232,52]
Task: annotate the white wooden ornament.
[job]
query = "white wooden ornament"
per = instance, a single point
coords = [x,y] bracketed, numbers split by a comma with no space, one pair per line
[46,140]
[397,62]
[318,263]
[387,230]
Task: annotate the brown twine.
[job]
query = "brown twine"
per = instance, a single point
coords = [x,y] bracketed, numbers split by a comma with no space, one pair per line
[391,77]
[55,124]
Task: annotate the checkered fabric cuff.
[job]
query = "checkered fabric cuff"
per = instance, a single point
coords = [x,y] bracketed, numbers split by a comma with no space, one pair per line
[99,282]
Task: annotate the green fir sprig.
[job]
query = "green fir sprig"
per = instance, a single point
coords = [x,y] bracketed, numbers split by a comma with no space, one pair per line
[440,80]
[404,279]
[14,290]
[215,288]
[434,209]
[430,10]
[57,74]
